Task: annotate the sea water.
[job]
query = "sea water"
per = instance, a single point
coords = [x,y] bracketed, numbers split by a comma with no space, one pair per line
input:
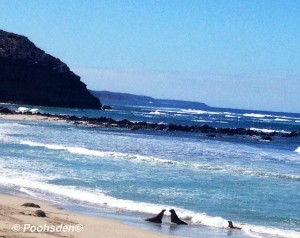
[131,175]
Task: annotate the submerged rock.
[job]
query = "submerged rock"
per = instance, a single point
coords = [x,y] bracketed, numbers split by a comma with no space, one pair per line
[5,110]
[106,107]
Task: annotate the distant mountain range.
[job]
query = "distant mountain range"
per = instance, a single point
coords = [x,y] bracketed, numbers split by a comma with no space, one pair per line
[113,98]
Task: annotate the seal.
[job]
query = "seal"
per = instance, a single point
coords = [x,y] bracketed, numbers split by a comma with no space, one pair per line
[157,218]
[30,204]
[175,219]
[39,213]
[231,226]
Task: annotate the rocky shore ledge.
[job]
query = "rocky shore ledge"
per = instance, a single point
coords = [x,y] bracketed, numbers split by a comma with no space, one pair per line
[204,129]
[112,123]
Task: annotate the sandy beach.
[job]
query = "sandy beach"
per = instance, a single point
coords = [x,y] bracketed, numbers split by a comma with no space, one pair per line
[20,221]
[27,117]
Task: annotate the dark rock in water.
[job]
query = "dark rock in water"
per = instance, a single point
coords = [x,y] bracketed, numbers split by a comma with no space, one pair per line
[212,135]
[124,123]
[106,107]
[5,110]
[39,213]
[292,134]
[135,128]
[73,118]
[30,204]
[28,75]
[160,127]
[268,138]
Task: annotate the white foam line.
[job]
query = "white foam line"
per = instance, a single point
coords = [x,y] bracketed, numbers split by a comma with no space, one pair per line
[154,160]
[267,130]
[192,111]
[256,115]
[84,151]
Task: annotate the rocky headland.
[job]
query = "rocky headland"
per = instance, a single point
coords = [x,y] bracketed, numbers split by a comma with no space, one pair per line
[28,75]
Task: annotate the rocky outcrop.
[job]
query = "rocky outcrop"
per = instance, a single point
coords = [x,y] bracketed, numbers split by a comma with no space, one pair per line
[28,75]
[210,131]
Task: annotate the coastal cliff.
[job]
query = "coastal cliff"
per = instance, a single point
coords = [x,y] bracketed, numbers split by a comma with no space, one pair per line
[28,75]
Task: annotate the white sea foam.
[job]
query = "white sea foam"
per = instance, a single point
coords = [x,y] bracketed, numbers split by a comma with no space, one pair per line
[6,129]
[298,149]
[230,116]
[11,125]
[263,231]
[102,154]
[256,115]
[23,109]
[156,112]
[34,110]
[223,122]
[192,111]
[281,119]
[262,130]
[267,130]
[201,121]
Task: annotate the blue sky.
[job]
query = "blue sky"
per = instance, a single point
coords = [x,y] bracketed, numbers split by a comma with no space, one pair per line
[226,53]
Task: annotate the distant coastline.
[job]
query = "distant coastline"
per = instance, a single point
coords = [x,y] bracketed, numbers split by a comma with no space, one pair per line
[117,98]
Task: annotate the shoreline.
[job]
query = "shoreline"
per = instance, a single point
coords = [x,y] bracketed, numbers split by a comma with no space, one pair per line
[16,217]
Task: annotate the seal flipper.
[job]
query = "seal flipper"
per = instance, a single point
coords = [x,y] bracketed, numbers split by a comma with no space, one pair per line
[157,218]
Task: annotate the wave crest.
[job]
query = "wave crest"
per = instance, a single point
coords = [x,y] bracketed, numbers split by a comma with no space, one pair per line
[154,160]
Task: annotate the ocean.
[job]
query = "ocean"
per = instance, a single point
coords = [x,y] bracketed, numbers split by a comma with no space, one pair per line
[132,175]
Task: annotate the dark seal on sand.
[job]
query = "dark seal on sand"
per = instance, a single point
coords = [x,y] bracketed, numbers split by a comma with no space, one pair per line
[39,213]
[30,204]
[175,219]
[157,218]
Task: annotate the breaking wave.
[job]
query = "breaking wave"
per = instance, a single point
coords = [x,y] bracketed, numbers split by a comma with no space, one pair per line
[166,162]
[255,115]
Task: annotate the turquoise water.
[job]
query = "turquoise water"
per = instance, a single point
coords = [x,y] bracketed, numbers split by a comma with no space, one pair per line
[128,174]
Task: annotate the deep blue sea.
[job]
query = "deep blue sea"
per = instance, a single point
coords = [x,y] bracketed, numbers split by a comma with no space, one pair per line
[131,175]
